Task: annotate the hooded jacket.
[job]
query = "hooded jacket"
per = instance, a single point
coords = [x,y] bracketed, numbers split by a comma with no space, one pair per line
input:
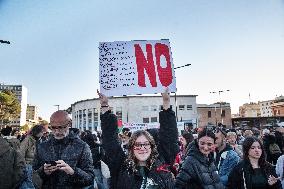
[159,177]
[11,167]
[198,171]
[72,151]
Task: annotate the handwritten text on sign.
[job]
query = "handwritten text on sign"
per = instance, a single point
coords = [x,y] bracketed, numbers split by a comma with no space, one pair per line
[136,67]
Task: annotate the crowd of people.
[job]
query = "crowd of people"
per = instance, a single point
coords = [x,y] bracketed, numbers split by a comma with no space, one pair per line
[204,158]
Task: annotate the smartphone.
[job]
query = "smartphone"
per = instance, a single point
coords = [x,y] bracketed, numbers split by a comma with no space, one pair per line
[52,163]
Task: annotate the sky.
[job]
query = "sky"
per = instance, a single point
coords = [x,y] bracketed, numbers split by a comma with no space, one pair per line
[235,45]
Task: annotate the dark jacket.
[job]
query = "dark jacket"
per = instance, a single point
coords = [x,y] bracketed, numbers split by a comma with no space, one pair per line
[198,171]
[245,170]
[121,177]
[11,166]
[72,151]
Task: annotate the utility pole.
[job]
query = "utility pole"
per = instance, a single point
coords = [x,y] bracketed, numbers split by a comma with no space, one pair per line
[219,93]
[176,89]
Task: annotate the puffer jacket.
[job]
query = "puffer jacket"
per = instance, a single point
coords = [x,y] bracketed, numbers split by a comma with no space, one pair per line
[28,148]
[159,176]
[198,171]
[72,151]
[11,167]
[240,176]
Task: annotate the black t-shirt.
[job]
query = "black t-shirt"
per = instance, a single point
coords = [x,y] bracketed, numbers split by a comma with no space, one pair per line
[258,179]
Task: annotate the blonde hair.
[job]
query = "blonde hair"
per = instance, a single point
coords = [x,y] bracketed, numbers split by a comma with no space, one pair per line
[231,134]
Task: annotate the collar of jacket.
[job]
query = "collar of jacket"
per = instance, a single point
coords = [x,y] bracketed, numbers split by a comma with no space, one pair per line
[4,146]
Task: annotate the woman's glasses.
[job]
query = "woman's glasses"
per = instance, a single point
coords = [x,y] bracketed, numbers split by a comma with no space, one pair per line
[140,146]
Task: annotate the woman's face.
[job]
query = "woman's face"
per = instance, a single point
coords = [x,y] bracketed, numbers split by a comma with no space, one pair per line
[206,145]
[231,139]
[183,141]
[142,149]
[255,151]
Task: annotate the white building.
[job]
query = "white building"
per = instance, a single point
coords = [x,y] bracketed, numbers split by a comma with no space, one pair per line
[22,95]
[132,109]
[265,108]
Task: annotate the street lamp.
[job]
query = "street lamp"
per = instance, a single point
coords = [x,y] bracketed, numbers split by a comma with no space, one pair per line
[57,106]
[219,93]
[176,89]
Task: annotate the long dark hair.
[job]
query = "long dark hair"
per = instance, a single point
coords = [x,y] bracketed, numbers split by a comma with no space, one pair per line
[246,147]
[206,132]
[131,160]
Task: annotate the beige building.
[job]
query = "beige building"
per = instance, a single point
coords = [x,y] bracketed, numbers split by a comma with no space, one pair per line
[32,113]
[265,108]
[209,115]
[278,106]
[250,110]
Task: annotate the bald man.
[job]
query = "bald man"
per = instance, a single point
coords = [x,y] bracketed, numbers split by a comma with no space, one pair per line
[64,161]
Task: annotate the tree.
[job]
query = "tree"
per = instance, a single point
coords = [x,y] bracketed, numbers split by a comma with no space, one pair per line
[9,106]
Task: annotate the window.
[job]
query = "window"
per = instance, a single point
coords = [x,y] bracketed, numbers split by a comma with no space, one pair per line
[209,114]
[145,108]
[119,113]
[181,107]
[145,120]
[223,113]
[89,117]
[154,108]
[189,107]
[96,117]
[154,119]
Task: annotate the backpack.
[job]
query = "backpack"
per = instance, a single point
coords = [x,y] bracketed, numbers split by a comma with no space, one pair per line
[274,149]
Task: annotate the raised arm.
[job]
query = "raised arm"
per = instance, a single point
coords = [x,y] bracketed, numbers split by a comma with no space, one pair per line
[168,134]
[110,142]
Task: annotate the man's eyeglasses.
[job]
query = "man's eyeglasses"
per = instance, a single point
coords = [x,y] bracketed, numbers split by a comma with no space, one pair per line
[60,127]
[139,146]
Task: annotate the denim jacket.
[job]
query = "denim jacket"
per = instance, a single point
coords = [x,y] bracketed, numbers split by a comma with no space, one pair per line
[228,160]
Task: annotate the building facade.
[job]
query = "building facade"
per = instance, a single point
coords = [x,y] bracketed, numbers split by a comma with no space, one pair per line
[265,108]
[211,115]
[132,109]
[32,113]
[278,106]
[22,95]
[250,110]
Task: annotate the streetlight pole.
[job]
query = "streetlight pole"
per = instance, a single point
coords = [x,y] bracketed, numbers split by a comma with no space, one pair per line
[219,93]
[57,106]
[176,89]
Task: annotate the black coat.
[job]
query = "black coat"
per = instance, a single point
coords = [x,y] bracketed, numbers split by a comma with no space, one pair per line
[121,177]
[73,151]
[244,169]
[198,171]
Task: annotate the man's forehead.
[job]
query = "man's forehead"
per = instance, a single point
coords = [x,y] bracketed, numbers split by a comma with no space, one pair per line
[59,117]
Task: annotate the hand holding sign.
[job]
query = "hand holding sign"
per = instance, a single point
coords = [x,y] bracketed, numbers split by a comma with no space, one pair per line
[166,99]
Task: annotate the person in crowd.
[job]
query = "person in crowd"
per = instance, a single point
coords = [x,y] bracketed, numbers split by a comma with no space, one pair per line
[184,140]
[273,151]
[253,172]
[144,167]
[226,158]
[232,141]
[248,133]
[13,141]
[97,154]
[64,161]
[12,166]
[280,169]
[279,139]
[198,170]
[27,150]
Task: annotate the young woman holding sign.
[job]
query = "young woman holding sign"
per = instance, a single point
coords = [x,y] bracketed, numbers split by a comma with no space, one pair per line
[145,166]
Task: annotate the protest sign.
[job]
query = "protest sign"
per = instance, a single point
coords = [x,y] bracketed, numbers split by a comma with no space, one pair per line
[140,126]
[136,67]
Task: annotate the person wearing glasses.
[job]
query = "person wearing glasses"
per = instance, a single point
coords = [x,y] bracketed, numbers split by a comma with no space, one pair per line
[198,170]
[64,161]
[253,172]
[144,167]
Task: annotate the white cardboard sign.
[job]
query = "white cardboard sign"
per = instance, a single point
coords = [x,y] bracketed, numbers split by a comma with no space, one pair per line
[136,67]
[141,126]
